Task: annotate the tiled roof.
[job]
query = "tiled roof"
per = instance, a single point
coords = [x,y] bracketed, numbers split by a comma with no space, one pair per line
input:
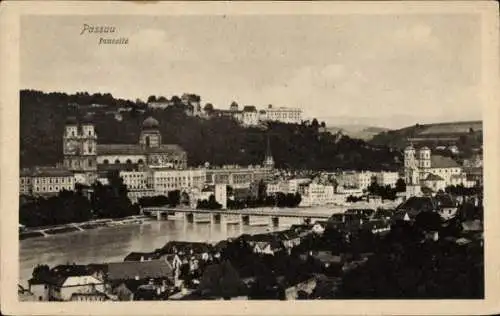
[137,256]
[438,161]
[444,200]
[139,269]
[136,149]
[417,203]
[49,172]
[197,247]
[249,108]
[71,270]
[327,257]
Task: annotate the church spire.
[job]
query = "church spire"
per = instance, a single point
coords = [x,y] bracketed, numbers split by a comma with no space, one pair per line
[268,160]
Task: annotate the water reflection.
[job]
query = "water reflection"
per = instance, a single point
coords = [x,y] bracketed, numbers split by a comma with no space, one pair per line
[114,243]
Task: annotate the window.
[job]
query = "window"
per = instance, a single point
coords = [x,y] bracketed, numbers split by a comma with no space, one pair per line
[148,141]
[106,161]
[129,161]
[117,161]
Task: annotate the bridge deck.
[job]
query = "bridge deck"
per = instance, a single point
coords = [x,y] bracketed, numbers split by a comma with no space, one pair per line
[254,212]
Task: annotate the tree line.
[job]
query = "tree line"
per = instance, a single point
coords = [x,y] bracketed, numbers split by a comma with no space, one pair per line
[219,140]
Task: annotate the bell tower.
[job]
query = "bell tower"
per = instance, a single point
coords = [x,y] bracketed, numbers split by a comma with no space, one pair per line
[80,148]
[268,160]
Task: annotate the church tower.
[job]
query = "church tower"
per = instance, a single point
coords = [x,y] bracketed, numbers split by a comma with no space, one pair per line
[268,160]
[412,172]
[150,134]
[80,148]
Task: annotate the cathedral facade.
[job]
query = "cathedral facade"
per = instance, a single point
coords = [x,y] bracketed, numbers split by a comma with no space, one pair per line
[422,169]
[83,155]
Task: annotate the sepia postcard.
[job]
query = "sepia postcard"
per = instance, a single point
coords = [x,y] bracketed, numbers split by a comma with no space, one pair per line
[257,158]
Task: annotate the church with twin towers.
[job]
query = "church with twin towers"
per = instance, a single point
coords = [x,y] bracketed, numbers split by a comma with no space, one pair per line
[425,171]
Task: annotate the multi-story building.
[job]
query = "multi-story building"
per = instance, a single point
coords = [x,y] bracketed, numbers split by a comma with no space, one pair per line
[316,194]
[281,114]
[385,178]
[170,180]
[41,181]
[151,182]
[25,182]
[238,176]
[356,179]
[277,186]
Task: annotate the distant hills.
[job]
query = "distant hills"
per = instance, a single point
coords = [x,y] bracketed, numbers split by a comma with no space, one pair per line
[467,134]
[358,131]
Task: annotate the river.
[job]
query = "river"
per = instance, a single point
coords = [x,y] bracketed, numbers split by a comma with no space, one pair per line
[111,244]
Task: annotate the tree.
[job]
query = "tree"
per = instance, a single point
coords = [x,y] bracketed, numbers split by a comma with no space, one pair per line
[208,108]
[151,98]
[176,100]
[174,198]
[428,221]
[162,99]
[315,123]
[400,185]
[41,272]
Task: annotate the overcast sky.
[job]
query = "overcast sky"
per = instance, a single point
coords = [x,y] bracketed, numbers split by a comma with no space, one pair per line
[383,70]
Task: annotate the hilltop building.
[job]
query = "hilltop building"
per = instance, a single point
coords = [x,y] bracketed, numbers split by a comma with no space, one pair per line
[281,114]
[250,116]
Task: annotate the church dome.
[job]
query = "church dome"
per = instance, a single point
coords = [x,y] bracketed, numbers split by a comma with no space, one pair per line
[150,122]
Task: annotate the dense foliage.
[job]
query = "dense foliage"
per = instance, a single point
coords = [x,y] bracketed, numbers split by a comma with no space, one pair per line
[173,199]
[386,192]
[218,140]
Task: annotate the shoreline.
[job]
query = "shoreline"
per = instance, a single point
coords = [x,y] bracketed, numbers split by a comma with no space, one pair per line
[46,231]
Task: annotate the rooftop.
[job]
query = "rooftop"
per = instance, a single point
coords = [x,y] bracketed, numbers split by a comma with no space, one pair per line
[139,270]
[46,172]
[417,203]
[137,149]
[438,161]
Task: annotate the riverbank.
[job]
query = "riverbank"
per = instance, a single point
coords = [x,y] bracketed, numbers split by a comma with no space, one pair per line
[45,231]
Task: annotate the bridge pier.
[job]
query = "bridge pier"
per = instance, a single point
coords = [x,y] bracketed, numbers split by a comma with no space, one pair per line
[161,215]
[202,217]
